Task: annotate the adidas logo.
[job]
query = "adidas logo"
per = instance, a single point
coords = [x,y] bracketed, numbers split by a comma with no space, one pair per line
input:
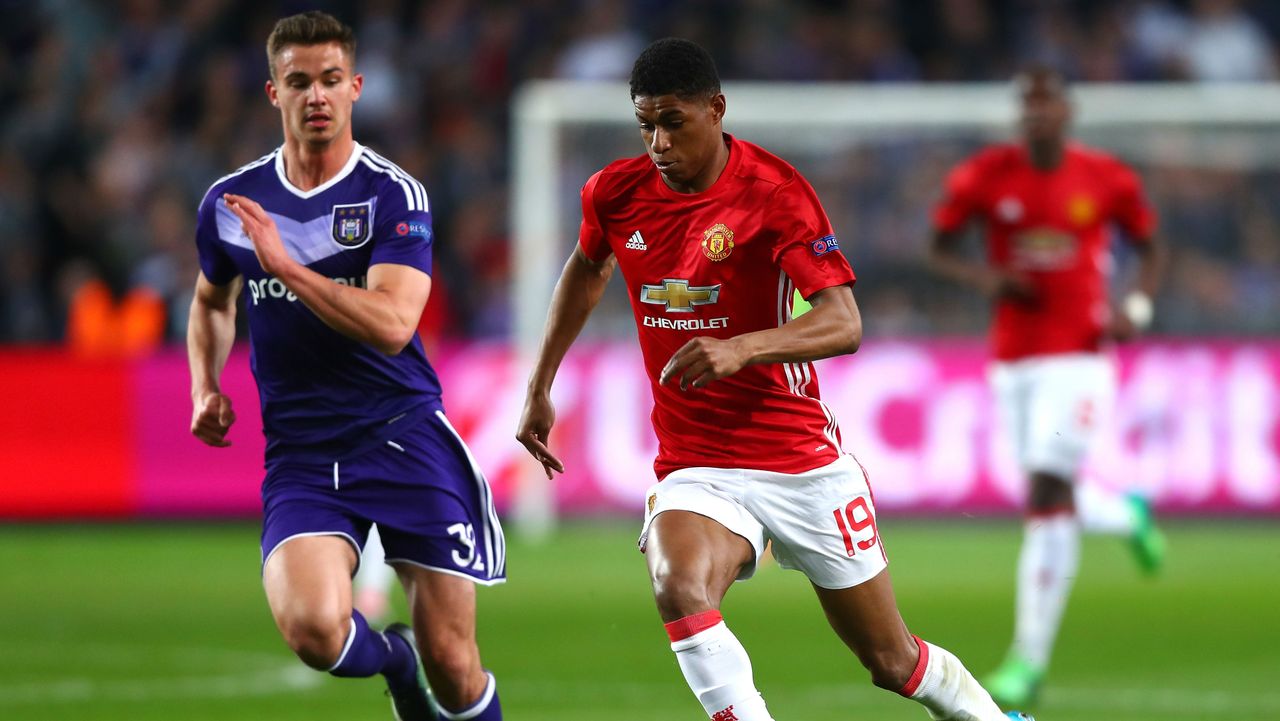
[636,242]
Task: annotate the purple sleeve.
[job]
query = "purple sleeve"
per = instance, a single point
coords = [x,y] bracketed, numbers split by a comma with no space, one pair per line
[402,231]
[216,265]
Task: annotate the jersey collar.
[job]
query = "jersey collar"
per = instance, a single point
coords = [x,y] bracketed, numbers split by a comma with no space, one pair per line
[356,150]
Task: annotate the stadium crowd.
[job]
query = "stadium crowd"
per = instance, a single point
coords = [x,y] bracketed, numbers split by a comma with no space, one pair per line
[119,115]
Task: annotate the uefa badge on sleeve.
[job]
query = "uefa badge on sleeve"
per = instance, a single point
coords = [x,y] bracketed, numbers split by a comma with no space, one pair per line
[352,224]
[824,245]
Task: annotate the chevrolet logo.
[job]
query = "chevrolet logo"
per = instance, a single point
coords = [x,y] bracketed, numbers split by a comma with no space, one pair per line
[678,296]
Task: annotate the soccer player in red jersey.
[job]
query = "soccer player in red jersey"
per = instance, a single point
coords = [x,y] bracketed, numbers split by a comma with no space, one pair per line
[712,234]
[1047,206]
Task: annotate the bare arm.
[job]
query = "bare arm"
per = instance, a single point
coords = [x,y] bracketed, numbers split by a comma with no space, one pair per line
[946,261]
[211,330]
[385,315]
[581,284]
[833,327]
[1136,309]
[1153,258]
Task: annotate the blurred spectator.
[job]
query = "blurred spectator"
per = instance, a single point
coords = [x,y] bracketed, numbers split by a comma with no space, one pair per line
[101,328]
[25,315]
[968,49]
[604,47]
[167,268]
[1226,44]
[1159,33]
[1216,42]
[24,312]
[1258,277]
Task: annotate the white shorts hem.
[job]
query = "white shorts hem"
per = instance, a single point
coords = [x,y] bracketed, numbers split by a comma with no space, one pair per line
[449,571]
[310,534]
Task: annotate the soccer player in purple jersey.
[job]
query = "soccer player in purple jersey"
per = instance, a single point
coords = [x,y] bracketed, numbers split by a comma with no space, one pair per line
[332,244]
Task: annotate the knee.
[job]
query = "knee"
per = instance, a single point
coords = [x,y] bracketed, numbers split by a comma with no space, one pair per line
[316,637]
[679,595]
[891,666]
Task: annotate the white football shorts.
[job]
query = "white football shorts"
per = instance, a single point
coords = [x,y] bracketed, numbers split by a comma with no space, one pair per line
[1051,407]
[821,522]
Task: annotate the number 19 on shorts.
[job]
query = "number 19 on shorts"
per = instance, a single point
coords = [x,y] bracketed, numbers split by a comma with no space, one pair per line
[852,520]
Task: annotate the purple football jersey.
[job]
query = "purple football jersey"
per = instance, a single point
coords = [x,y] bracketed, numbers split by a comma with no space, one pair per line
[324,396]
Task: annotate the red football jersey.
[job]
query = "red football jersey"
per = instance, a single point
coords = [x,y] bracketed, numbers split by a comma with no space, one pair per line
[1051,227]
[721,263]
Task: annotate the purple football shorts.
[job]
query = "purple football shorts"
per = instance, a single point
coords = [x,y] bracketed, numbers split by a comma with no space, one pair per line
[423,488]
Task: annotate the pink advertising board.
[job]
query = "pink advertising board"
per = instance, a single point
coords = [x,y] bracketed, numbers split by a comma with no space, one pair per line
[1197,426]
[1197,429]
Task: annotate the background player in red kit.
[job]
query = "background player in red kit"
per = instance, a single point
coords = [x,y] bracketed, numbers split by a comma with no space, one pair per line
[712,235]
[1047,206]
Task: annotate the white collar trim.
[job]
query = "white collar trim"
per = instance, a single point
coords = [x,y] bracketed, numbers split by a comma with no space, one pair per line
[356,151]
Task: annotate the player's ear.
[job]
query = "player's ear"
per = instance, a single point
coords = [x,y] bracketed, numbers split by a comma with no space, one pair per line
[357,84]
[272,95]
[717,107]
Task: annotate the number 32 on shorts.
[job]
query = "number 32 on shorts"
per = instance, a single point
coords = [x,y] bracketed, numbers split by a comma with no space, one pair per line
[466,535]
[852,520]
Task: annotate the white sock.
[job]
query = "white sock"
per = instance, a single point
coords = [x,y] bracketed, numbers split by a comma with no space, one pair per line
[946,688]
[1046,568]
[1104,511]
[717,668]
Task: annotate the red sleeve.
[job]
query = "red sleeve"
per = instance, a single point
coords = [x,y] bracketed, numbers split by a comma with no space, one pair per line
[1130,208]
[961,198]
[591,234]
[807,250]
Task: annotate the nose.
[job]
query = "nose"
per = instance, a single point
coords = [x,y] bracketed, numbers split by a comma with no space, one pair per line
[661,141]
[315,96]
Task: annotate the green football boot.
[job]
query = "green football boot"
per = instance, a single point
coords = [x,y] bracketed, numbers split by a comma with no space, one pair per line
[1147,542]
[412,701]
[1016,683]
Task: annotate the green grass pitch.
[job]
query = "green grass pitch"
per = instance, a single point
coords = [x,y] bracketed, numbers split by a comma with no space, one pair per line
[168,622]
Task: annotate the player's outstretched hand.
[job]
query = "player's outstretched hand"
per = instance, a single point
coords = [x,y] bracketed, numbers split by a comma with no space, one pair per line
[262,230]
[703,360]
[212,419]
[535,431]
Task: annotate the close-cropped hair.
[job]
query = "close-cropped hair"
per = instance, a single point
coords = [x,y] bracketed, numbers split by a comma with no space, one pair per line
[309,28]
[1041,71]
[674,66]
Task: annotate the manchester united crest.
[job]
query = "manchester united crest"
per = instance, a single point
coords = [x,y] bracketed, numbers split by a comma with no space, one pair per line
[1082,210]
[717,242]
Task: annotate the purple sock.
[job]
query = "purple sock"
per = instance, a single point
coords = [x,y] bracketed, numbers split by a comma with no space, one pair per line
[368,652]
[486,708]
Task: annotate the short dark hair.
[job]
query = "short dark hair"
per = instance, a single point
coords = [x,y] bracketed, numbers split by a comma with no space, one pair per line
[310,28]
[674,66]
[1042,71]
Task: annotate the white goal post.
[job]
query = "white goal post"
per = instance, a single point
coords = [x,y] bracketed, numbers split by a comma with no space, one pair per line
[806,118]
